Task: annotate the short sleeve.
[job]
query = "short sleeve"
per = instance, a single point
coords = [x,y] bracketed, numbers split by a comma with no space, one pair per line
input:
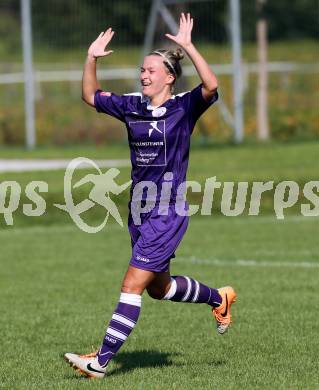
[197,104]
[109,103]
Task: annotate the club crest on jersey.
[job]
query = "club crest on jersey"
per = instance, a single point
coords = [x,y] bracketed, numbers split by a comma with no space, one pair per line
[105,93]
[159,111]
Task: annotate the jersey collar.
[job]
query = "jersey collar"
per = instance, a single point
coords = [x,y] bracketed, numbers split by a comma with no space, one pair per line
[147,100]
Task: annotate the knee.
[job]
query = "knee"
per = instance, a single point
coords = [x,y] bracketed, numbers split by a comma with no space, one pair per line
[132,286]
[131,289]
[155,293]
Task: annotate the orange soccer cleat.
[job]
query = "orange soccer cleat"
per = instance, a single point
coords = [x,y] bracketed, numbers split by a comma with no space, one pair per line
[222,312]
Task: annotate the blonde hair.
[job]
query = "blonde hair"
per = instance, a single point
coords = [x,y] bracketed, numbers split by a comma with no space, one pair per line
[171,60]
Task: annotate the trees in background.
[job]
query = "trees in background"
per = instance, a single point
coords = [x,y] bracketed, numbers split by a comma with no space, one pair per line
[75,22]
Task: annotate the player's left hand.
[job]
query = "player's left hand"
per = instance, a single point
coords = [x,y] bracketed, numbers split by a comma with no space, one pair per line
[184,35]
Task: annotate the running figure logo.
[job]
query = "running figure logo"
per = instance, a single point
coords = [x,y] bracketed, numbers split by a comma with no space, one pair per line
[154,127]
[103,185]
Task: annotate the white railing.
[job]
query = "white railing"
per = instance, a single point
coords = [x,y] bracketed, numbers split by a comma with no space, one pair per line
[132,73]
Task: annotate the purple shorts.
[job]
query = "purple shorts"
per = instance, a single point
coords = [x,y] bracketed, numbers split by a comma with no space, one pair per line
[156,239]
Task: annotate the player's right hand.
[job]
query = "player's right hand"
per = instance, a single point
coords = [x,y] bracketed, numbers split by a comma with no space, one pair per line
[97,48]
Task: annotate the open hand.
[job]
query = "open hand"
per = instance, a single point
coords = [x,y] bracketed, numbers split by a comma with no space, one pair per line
[183,37]
[97,48]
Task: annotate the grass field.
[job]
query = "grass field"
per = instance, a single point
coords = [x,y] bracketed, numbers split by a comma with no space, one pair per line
[59,287]
[126,56]
[274,161]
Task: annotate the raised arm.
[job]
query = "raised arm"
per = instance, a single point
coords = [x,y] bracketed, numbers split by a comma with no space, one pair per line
[184,40]
[89,80]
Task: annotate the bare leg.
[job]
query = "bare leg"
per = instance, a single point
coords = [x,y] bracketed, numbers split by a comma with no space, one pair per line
[160,285]
[182,289]
[136,280]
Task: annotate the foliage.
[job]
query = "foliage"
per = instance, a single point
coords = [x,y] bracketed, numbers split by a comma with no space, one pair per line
[63,119]
[74,23]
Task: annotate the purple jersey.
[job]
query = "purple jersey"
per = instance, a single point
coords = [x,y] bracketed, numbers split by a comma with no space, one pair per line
[159,137]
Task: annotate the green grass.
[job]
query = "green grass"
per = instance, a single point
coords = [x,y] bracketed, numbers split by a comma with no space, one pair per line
[270,162]
[293,97]
[109,151]
[277,51]
[58,288]
[246,162]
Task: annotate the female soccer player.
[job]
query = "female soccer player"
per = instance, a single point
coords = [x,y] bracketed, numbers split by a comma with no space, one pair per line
[159,127]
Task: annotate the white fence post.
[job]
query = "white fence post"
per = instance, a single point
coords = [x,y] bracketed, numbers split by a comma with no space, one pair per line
[237,69]
[28,73]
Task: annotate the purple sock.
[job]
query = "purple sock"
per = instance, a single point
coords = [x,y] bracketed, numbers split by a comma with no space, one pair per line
[185,289]
[121,325]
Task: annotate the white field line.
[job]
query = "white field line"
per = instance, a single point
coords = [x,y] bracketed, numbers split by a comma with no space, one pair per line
[188,259]
[72,228]
[259,219]
[283,252]
[114,226]
[267,252]
[12,165]
[132,72]
[249,263]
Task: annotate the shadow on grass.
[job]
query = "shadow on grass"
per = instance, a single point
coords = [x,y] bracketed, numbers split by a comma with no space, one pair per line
[141,359]
[129,361]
